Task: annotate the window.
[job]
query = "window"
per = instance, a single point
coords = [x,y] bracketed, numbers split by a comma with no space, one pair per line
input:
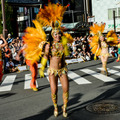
[36,10]
[20,9]
[110,13]
[118,11]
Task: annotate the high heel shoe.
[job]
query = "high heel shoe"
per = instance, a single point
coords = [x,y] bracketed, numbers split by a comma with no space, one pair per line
[55,110]
[64,107]
[33,87]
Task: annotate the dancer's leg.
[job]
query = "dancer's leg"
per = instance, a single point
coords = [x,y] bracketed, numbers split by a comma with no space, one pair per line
[65,87]
[54,89]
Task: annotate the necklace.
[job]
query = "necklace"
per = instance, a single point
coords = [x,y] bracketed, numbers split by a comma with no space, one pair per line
[56,45]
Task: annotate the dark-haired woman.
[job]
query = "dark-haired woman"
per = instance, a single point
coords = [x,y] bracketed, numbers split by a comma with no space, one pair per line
[54,50]
[104,54]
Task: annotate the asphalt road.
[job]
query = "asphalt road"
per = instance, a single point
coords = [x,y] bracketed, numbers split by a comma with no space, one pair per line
[87,85]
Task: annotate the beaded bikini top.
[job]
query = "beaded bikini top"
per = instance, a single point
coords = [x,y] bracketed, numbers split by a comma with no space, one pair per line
[104,45]
[57,50]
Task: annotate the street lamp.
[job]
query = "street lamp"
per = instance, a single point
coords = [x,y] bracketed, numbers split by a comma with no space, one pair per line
[3,17]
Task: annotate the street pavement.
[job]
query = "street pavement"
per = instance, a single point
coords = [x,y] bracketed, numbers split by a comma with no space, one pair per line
[87,87]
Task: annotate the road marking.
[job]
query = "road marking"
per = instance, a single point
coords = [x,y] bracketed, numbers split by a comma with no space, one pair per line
[98,75]
[77,78]
[59,84]
[7,83]
[118,67]
[27,81]
[115,72]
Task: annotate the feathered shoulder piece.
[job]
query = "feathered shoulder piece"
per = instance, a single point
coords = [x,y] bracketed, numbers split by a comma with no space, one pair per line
[66,38]
[69,37]
[96,30]
[51,13]
[112,38]
[94,45]
[34,39]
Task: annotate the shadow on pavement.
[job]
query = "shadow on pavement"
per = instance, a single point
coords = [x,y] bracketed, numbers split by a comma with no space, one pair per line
[98,94]
[43,87]
[7,95]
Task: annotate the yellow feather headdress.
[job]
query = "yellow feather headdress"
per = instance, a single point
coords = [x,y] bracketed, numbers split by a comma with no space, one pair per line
[51,13]
[97,29]
[34,39]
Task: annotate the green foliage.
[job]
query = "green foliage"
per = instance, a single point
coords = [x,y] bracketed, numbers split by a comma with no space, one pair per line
[8,16]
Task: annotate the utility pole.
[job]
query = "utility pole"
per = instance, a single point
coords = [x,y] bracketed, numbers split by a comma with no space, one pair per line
[114,21]
[85,11]
[3,17]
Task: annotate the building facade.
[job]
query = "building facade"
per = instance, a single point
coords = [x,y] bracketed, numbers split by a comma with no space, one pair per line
[25,11]
[102,12]
[75,18]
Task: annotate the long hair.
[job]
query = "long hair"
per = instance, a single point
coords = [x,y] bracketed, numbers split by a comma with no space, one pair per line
[50,40]
[99,41]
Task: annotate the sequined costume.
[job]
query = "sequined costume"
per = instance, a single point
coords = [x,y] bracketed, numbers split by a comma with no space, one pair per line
[38,46]
[99,44]
[104,46]
[58,72]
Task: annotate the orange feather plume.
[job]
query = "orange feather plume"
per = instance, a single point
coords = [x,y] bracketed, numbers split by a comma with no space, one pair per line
[51,13]
[97,29]
[34,38]
[94,45]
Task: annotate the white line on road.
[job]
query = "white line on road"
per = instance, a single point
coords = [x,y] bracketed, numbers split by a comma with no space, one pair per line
[77,78]
[7,83]
[98,75]
[115,72]
[27,81]
[118,67]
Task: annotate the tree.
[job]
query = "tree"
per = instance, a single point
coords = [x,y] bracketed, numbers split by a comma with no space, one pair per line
[8,16]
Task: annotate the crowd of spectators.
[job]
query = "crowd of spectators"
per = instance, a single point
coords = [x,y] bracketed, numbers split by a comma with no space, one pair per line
[9,53]
[80,48]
